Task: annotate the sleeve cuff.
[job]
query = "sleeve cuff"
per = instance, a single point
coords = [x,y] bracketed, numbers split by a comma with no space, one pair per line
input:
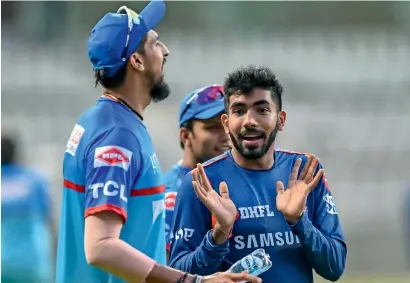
[303,227]
[211,245]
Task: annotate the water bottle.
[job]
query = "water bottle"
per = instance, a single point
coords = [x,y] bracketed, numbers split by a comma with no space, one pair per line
[256,263]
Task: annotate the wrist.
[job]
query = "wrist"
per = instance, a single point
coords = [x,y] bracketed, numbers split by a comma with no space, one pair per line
[221,234]
[292,220]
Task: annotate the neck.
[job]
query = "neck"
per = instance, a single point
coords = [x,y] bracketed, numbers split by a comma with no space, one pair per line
[263,163]
[188,160]
[136,94]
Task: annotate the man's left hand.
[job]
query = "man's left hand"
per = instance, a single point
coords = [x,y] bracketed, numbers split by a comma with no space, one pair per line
[292,201]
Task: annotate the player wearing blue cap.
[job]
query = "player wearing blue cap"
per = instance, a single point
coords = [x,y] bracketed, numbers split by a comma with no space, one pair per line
[299,227]
[202,137]
[112,226]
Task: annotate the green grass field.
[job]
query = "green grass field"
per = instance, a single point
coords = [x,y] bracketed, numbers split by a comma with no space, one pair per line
[370,279]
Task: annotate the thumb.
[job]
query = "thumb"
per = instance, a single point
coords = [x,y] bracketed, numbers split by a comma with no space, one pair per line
[280,188]
[223,190]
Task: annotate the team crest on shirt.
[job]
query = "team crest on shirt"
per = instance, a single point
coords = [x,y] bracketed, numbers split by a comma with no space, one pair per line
[116,156]
[74,139]
[170,199]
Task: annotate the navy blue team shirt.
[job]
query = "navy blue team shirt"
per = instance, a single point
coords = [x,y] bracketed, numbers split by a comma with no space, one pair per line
[315,242]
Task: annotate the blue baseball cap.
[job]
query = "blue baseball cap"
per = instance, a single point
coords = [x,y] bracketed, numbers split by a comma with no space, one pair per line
[203,103]
[117,35]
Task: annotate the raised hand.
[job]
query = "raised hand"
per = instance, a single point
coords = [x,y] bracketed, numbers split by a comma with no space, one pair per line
[292,201]
[221,206]
[230,278]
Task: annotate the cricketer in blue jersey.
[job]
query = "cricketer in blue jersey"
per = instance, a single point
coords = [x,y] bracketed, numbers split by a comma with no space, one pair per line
[26,222]
[299,227]
[202,137]
[112,226]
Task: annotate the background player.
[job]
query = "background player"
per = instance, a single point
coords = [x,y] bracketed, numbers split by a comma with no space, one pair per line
[113,201]
[300,230]
[202,137]
[26,223]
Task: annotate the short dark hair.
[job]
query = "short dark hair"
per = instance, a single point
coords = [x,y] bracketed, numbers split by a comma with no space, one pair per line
[189,125]
[119,77]
[246,79]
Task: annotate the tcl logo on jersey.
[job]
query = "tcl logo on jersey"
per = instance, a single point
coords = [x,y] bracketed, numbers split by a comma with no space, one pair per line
[109,189]
[170,199]
[112,156]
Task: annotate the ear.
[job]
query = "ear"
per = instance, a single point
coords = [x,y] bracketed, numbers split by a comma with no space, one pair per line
[137,61]
[184,137]
[225,120]
[282,120]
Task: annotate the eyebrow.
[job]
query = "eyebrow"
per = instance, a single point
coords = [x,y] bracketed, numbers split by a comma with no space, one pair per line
[154,38]
[256,103]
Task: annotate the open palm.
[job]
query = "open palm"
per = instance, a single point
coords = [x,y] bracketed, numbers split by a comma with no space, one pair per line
[292,201]
[221,206]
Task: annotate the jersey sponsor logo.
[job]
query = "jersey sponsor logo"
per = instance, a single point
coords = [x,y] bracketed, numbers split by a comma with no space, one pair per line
[170,199]
[116,156]
[330,204]
[257,211]
[154,163]
[74,139]
[278,239]
[182,234]
[109,189]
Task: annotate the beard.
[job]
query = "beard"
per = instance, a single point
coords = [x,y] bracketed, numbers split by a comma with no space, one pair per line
[258,152]
[160,90]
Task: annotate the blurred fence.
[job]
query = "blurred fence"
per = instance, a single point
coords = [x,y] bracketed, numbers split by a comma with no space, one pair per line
[346,94]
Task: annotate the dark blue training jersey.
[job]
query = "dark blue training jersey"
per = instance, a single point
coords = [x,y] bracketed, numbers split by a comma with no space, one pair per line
[109,165]
[315,242]
[172,180]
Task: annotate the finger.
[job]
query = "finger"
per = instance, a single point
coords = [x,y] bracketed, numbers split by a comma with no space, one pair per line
[280,188]
[223,190]
[195,175]
[238,277]
[295,170]
[305,168]
[203,178]
[311,170]
[316,179]
[199,192]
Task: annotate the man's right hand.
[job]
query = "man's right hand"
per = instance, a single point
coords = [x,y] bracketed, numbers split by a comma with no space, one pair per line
[222,277]
[221,206]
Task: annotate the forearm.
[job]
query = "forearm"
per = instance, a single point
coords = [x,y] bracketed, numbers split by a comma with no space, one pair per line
[204,260]
[326,255]
[120,259]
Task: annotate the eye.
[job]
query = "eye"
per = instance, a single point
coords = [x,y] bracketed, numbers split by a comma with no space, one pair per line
[264,110]
[238,112]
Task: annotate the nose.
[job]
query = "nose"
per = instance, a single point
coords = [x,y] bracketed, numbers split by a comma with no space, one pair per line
[250,121]
[165,50]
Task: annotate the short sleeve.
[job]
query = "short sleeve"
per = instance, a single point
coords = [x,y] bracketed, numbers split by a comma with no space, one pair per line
[112,166]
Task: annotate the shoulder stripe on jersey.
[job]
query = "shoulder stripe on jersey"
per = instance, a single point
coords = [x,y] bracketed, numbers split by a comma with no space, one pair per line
[292,152]
[148,191]
[216,159]
[106,207]
[74,187]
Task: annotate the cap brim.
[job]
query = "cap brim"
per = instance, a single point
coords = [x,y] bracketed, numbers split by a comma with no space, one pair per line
[210,112]
[153,13]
